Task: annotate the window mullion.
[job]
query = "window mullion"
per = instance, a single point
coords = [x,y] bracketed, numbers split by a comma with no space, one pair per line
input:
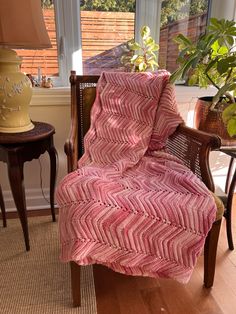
[148,12]
[69,38]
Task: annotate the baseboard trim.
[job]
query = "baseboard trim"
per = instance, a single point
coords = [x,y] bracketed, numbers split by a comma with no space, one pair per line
[30,213]
[34,200]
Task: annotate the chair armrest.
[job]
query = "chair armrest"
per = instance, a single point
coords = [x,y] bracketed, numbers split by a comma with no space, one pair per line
[193,147]
[71,150]
[71,145]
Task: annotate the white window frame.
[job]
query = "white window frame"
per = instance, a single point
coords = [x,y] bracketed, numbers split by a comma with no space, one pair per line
[68,29]
[67,19]
[223,9]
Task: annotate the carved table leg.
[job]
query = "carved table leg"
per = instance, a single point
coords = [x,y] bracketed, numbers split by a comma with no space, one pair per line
[2,205]
[53,174]
[16,178]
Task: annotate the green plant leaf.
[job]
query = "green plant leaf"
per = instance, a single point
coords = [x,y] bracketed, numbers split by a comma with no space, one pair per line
[231,127]
[210,65]
[149,41]
[132,60]
[153,62]
[193,79]
[214,22]
[220,93]
[181,39]
[223,50]
[228,112]
[189,64]
[176,75]
[215,46]
[138,60]
[232,87]
[142,67]
[134,46]
[229,40]
[221,41]
[155,47]
[222,66]
[196,61]
[145,32]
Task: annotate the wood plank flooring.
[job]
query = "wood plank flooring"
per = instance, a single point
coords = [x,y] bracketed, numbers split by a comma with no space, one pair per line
[120,294]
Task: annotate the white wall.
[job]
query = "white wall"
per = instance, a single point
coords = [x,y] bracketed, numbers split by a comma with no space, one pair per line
[53,106]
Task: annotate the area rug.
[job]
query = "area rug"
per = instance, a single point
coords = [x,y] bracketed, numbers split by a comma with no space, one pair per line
[36,281]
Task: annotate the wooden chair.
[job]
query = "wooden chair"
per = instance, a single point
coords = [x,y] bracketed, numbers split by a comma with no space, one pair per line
[189,145]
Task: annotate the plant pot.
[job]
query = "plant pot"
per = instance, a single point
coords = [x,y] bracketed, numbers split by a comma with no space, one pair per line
[211,121]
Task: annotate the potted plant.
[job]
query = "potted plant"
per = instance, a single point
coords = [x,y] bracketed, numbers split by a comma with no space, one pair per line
[140,57]
[211,61]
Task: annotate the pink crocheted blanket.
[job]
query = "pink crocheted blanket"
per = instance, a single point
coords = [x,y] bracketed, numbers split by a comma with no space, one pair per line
[130,205]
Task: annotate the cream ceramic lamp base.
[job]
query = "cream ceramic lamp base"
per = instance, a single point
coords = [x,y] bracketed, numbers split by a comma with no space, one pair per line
[15,94]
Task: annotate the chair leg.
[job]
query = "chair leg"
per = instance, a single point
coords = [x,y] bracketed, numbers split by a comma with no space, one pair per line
[210,250]
[75,283]
[229,230]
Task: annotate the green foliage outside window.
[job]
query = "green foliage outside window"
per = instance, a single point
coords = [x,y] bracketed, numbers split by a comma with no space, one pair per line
[173,10]
[108,5]
[47,4]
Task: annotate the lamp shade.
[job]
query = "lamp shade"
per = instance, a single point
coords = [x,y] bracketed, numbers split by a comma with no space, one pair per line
[22,25]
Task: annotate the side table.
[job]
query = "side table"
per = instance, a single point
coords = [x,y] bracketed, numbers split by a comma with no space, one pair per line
[227,195]
[17,148]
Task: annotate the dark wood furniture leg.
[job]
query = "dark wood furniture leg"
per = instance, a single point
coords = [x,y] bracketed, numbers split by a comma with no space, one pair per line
[75,284]
[16,179]
[210,249]
[229,174]
[3,210]
[228,212]
[53,174]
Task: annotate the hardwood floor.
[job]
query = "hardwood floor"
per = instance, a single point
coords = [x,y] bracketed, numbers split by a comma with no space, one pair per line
[120,294]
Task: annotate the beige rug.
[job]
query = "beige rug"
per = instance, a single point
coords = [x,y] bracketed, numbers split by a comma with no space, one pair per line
[36,281]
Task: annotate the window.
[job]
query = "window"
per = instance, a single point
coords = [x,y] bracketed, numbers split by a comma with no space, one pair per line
[186,17]
[64,31]
[73,41]
[105,30]
[45,61]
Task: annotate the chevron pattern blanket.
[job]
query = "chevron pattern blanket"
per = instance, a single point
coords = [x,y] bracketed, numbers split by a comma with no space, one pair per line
[130,205]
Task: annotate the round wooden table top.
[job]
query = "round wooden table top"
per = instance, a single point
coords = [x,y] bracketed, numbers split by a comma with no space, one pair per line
[40,131]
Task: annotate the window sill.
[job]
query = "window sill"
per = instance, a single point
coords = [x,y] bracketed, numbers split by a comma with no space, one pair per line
[60,96]
[56,96]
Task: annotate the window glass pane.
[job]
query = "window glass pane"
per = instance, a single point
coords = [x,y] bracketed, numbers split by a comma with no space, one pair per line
[105,26]
[188,17]
[45,61]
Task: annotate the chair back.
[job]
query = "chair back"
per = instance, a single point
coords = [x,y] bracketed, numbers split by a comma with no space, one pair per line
[83,93]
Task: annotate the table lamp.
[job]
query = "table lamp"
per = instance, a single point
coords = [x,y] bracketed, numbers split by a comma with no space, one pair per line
[21,27]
